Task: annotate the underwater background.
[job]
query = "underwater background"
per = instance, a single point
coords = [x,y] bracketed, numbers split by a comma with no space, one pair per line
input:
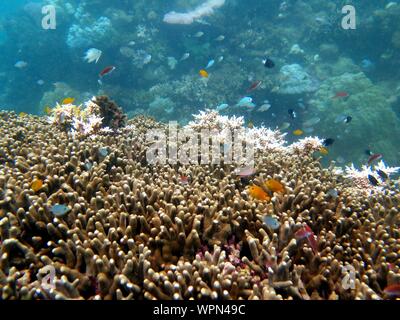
[326,81]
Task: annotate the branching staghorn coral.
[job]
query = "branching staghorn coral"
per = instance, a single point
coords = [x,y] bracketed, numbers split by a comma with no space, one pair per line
[136,231]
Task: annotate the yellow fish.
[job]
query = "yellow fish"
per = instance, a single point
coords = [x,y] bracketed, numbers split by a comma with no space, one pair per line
[47,110]
[36,185]
[203,73]
[23,114]
[298,132]
[250,124]
[258,193]
[68,100]
[324,151]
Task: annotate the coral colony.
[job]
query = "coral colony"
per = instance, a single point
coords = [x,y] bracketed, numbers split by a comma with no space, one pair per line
[205,9]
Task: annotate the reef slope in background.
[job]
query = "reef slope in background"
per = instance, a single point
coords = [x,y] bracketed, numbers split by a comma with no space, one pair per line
[135,231]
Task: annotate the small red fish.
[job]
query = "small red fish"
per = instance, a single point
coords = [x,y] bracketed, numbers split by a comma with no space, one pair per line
[254,85]
[392,290]
[307,233]
[374,157]
[106,70]
[340,94]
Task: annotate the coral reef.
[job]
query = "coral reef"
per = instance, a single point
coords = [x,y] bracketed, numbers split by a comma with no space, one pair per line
[135,231]
[374,125]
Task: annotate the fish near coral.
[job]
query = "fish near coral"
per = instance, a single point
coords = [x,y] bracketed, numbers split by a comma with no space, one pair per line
[210,64]
[246,102]
[245,171]
[36,185]
[222,107]
[47,110]
[103,152]
[92,54]
[258,193]
[292,114]
[21,64]
[254,85]
[332,193]
[328,142]
[373,180]
[59,210]
[268,63]
[374,157]
[184,180]
[383,175]
[106,71]
[274,186]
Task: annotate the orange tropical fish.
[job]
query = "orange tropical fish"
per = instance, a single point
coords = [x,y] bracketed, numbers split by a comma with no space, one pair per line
[298,132]
[68,100]
[324,151]
[203,73]
[274,186]
[36,185]
[258,193]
